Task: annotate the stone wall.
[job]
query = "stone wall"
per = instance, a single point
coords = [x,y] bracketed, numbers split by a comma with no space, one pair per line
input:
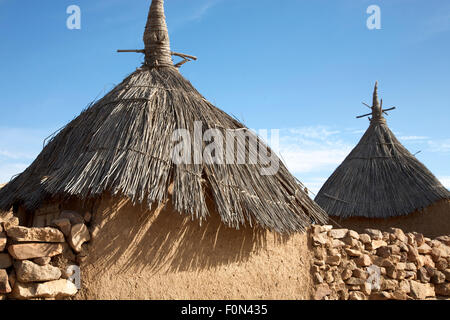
[34,261]
[377,265]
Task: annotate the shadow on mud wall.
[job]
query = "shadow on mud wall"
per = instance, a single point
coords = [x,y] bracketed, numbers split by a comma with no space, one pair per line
[162,240]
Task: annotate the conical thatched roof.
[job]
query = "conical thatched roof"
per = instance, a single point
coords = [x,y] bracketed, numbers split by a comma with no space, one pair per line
[123,145]
[379,178]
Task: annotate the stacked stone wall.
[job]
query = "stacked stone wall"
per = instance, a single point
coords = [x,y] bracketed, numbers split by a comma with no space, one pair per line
[42,263]
[377,265]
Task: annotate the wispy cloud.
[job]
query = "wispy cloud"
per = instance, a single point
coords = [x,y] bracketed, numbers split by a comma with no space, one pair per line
[439,23]
[8,170]
[314,184]
[312,149]
[439,145]
[413,138]
[14,155]
[315,132]
[357,131]
[433,26]
[18,148]
[428,144]
[305,160]
[312,153]
[445,181]
[203,9]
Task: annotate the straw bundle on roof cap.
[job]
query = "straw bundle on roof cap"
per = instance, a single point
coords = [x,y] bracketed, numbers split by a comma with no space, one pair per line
[156,37]
[123,145]
[379,178]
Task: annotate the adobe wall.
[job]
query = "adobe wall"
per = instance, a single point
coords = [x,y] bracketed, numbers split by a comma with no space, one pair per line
[432,222]
[138,254]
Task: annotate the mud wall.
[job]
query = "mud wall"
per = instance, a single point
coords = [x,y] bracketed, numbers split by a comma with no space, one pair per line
[432,222]
[161,254]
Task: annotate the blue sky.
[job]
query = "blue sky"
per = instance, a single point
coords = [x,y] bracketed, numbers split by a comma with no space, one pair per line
[301,66]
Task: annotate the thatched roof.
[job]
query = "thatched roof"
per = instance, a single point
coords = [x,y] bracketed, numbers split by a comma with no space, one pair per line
[123,145]
[379,178]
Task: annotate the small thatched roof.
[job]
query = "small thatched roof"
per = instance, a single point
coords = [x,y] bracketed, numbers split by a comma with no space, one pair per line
[379,178]
[123,145]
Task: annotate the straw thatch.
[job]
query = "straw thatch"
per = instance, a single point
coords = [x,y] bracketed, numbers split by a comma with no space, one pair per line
[122,145]
[379,178]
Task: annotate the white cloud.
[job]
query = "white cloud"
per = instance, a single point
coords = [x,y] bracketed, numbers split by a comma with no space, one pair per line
[439,145]
[413,138]
[203,10]
[429,144]
[312,153]
[18,148]
[14,155]
[312,149]
[445,181]
[304,160]
[314,184]
[316,132]
[8,170]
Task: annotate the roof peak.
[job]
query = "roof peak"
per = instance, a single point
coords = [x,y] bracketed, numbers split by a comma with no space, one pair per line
[156,40]
[375,102]
[376,107]
[156,37]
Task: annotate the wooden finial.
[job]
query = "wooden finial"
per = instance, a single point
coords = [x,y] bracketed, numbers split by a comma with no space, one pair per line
[377,107]
[156,37]
[375,102]
[377,112]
